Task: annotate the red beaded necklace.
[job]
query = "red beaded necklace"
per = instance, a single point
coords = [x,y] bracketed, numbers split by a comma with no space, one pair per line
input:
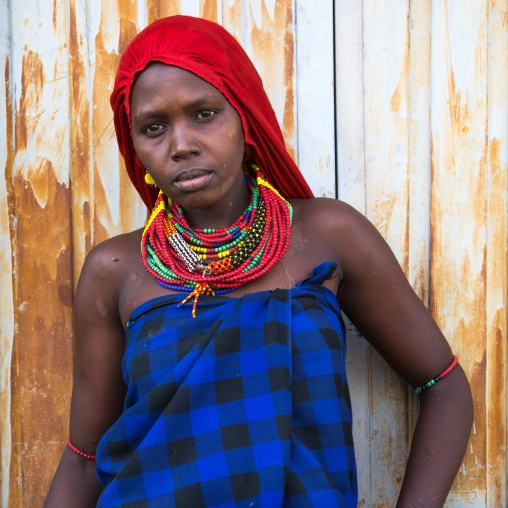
[217,261]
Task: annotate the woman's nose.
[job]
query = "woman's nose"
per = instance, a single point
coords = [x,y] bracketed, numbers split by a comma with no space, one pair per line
[183,142]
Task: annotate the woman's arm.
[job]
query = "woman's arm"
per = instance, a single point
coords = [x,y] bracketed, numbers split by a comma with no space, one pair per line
[376,296]
[98,389]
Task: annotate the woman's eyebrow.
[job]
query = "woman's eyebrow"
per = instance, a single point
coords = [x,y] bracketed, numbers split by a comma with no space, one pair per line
[205,100]
[147,113]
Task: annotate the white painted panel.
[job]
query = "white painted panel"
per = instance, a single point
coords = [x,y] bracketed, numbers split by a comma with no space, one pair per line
[419,148]
[349,102]
[315,95]
[351,189]
[386,123]
[190,8]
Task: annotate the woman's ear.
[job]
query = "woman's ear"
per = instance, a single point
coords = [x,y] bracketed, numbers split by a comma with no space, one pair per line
[248,153]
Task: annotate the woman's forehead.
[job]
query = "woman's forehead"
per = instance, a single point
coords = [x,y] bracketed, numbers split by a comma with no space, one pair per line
[158,76]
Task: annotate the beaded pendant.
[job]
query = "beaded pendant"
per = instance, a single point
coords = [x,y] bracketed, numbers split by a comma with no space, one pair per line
[217,261]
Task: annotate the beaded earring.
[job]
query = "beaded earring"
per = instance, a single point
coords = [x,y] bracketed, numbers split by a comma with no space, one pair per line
[149,179]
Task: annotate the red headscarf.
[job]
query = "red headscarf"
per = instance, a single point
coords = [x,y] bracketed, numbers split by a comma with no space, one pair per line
[209,51]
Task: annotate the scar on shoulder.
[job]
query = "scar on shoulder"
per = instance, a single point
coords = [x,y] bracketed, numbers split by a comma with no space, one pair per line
[101,307]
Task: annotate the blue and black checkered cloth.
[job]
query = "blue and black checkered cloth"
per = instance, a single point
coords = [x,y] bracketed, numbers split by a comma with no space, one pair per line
[246,405]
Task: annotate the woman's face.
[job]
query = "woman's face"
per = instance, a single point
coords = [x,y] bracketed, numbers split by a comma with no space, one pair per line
[188,137]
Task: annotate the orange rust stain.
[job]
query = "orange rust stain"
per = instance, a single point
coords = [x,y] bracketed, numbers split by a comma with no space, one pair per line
[474,462]
[80,140]
[16,465]
[325,193]
[390,433]
[459,110]
[288,123]
[495,154]
[420,282]
[399,106]
[497,406]
[161,8]
[497,324]
[41,379]
[174,7]
[128,30]
[55,17]
[232,19]
[208,9]
[404,260]
[15,468]
[36,175]
[104,141]
[273,48]
[103,134]
[88,234]
[400,99]
[32,82]
[155,9]
[128,25]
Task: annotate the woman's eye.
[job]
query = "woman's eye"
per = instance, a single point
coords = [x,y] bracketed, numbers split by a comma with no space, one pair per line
[152,128]
[205,114]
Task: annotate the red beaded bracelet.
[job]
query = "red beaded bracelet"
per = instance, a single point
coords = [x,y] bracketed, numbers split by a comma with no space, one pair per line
[78,451]
[432,382]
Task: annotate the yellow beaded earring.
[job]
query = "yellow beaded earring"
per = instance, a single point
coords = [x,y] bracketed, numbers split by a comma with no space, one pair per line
[148,179]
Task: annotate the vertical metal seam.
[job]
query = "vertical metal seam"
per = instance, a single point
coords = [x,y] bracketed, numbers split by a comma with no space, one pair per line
[363,118]
[89,91]
[71,164]
[219,11]
[12,88]
[6,453]
[369,352]
[335,113]
[295,83]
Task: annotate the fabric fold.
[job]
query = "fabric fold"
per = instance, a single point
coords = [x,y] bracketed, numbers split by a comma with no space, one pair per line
[246,403]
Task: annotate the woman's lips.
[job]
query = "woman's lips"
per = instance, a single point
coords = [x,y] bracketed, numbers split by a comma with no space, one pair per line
[193,180]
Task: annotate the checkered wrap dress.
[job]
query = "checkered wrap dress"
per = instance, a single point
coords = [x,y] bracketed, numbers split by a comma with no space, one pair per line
[246,405]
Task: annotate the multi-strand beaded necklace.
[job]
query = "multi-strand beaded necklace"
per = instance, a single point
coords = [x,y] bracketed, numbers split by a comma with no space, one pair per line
[217,261]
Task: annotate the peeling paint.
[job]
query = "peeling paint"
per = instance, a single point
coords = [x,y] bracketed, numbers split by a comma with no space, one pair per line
[420,105]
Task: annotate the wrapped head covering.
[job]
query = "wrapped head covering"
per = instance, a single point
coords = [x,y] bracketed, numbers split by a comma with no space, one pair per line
[210,52]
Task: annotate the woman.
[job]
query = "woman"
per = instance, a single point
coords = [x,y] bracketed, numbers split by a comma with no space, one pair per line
[226,322]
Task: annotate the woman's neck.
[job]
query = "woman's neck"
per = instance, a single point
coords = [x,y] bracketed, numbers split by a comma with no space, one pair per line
[220,215]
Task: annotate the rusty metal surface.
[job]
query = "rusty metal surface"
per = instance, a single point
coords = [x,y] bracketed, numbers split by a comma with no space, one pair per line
[36,170]
[459,211]
[496,270]
[417,105]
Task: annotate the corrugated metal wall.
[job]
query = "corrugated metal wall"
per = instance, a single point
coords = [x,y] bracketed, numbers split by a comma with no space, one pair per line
[398,107]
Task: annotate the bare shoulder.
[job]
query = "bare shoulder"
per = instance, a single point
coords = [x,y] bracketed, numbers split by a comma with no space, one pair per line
[332,226]
[109,260]
[104,275]
[329,208]
[325,214]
